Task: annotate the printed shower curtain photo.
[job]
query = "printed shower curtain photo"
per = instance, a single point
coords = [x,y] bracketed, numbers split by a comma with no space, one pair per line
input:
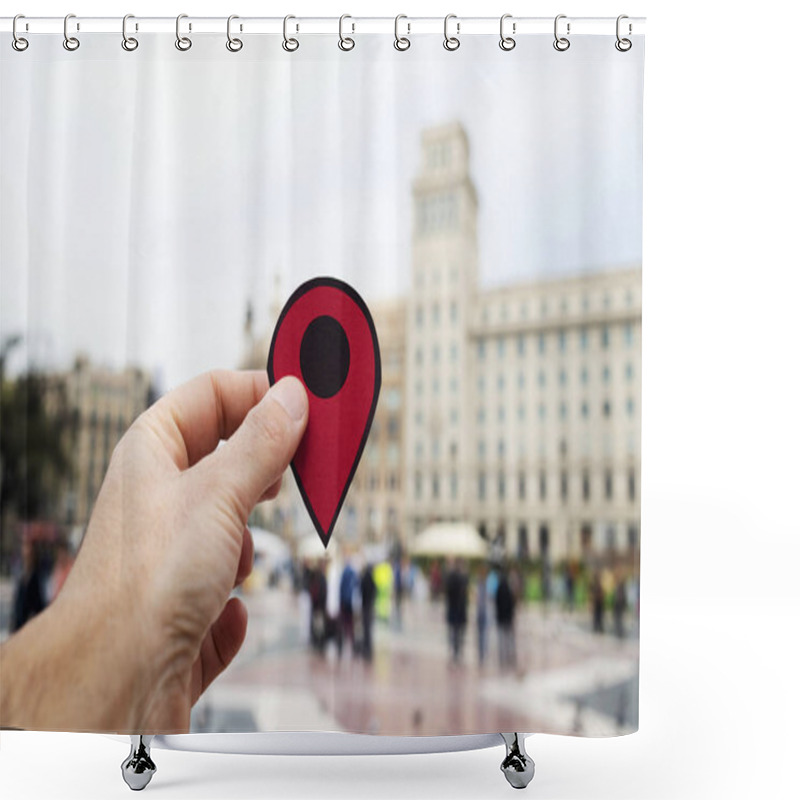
[158,209]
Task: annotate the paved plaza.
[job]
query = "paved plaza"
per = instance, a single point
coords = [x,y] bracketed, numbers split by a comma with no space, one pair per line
[568,679]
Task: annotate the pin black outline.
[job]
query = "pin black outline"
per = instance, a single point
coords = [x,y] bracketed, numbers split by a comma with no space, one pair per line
[301,290]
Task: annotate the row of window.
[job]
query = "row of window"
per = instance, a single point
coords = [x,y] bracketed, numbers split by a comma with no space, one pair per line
[605,411]
[525,341]
[519,490]
[541,378]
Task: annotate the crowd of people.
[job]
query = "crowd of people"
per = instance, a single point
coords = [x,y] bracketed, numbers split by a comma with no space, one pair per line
[342,602]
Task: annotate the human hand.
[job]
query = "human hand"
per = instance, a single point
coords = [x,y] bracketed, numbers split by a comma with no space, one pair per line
[144,623]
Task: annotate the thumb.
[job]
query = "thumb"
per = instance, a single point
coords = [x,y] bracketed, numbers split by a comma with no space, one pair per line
[257,454]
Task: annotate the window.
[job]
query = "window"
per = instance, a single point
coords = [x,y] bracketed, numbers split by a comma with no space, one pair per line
[522,541]
[521,380]
[562,411]
[521,345]
[418,485]
[611,538]
[419,356]
[481,485]
[629,407]
[562,377]
[454,416]
[453,485]
[586,486]
[629,371]
[521,413]
[633,537]
[420,316]
[562,340]
[481,384]
[564,485]
[606,374]
[435,314]
[453,312]
[585,410]
[501,448]
[542,379]
[541,411]
[604,337]
[501,346]
[482,449]
[393,426]
[435,486]
[584,339]
[584,376]
[542,485]
[632,485]
[501,486]
[436,354]
[542,343]
[628,334]
[454,352]
[501,414]
[481,415]
[501,383]
[606,408]
[521,485]
[481,349]
[609,484]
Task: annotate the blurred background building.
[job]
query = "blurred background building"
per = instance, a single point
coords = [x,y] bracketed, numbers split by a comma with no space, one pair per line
[514,408]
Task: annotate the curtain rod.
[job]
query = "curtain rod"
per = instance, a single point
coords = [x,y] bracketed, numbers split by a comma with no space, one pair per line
[329,25]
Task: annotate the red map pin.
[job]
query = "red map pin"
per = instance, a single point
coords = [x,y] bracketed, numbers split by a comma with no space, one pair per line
[325,337]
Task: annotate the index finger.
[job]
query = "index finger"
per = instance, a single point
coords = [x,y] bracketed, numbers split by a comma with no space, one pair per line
[192,419]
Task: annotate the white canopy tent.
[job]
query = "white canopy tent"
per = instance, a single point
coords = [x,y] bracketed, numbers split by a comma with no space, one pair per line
[455,539]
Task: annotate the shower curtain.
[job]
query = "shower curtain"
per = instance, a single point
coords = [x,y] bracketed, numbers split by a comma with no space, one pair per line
[159,207]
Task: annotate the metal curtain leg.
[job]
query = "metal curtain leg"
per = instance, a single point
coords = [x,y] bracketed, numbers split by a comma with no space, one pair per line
[517,766]
[138,768]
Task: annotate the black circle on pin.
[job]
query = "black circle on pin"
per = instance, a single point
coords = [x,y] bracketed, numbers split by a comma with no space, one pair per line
[324,356]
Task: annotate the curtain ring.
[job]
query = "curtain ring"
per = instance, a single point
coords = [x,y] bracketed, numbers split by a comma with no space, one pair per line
[623,45]
[451,42]
[346,43]
[561,43]
[234,45]
[70,42]
[401,43]
[507,42]
[18,42]
[289,45]
[129,43]
[183,43]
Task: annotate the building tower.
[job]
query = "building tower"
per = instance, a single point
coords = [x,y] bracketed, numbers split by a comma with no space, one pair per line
[444,283]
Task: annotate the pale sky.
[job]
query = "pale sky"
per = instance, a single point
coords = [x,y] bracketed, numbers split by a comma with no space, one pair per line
[145,196]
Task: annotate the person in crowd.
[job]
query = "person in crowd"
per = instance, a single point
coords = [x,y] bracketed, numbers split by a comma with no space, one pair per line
[482,614]
[30,595]
[369,592]
[598,603]
[456,596]
[505,605]
[348,586]
[620,605]
[146,620]
[318,594]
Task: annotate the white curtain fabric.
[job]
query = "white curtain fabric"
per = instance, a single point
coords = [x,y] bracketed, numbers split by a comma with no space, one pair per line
[148,193]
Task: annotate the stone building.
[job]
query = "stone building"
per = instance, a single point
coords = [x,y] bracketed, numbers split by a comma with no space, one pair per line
[522,408]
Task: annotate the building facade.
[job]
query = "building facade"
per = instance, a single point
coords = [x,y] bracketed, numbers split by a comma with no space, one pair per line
[522,409]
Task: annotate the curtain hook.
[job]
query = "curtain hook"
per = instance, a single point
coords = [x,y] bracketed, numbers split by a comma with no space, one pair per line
[506,42]
[623,45]
[345,42]
[129,43]
[18,42]
[233,44]
[401,42]
[70,42]
[183,43]
[451,42]
[561,43]
[289,45]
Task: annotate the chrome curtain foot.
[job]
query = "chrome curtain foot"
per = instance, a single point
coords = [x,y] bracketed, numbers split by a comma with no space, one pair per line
[517,766]
[138,768]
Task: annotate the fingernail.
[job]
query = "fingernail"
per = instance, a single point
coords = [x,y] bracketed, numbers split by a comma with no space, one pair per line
[289,393]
